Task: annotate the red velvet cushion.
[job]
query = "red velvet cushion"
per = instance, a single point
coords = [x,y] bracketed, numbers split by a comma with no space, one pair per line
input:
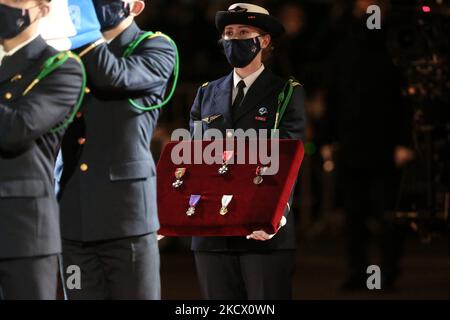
[253,207]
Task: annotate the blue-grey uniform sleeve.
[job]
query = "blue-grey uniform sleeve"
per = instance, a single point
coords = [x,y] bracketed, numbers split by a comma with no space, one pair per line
[292,126]
[44,107]
[146,71]
[196,111]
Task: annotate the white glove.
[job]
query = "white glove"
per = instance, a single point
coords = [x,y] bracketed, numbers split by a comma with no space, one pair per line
[264,236]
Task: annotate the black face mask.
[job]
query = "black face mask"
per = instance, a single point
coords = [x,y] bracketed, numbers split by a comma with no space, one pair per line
[13,21]
[240,53]
[111,12]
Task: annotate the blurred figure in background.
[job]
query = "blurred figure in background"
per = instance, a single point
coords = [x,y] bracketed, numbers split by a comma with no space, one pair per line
[291,53]
[368,132]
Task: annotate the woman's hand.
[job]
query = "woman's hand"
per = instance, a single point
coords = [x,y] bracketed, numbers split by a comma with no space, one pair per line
[261,235]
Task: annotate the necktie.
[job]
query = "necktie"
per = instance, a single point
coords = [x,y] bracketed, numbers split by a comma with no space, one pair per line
[240,94]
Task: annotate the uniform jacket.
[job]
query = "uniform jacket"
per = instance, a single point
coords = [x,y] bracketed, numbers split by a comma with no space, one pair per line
[29,214]
[108,185]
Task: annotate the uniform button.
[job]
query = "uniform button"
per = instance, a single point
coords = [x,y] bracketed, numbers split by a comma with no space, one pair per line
[84,167]
[229,134]
[8,96]
[81,141]
[79,114]
[87,90]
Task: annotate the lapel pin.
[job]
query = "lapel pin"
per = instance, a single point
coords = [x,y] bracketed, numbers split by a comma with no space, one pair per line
[210,119]
[262,111]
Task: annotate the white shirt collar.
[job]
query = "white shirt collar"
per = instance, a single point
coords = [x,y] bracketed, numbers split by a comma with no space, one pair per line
[20,46]
[249,79]
[110,40]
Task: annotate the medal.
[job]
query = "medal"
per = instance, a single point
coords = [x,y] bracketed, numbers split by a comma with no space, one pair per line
[260,171]
[179,173]
[258,180]
[227,155]
[225,202]
[193,201]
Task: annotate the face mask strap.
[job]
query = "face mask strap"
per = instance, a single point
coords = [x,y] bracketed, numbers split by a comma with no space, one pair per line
[127,6]
[37,18]
[27,11]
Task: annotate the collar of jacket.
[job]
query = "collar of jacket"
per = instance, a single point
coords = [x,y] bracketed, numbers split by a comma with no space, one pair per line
[266,84]
[121,42]
[22,59]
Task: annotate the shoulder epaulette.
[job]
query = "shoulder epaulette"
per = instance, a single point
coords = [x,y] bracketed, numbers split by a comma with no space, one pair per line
[294,83]
[159,34]
[149,35]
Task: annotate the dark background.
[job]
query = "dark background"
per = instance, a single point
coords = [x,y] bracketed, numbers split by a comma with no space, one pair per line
[368,91]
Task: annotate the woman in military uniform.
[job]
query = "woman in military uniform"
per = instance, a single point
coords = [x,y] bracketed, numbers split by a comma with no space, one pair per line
[260,266]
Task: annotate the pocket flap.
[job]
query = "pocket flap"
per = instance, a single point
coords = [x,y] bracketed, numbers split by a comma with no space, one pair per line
[22,189]
[132,170]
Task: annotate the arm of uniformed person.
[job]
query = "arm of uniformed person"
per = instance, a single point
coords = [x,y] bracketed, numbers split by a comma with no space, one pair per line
[31,116]
[196,111]
[292,126]
[144,72]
